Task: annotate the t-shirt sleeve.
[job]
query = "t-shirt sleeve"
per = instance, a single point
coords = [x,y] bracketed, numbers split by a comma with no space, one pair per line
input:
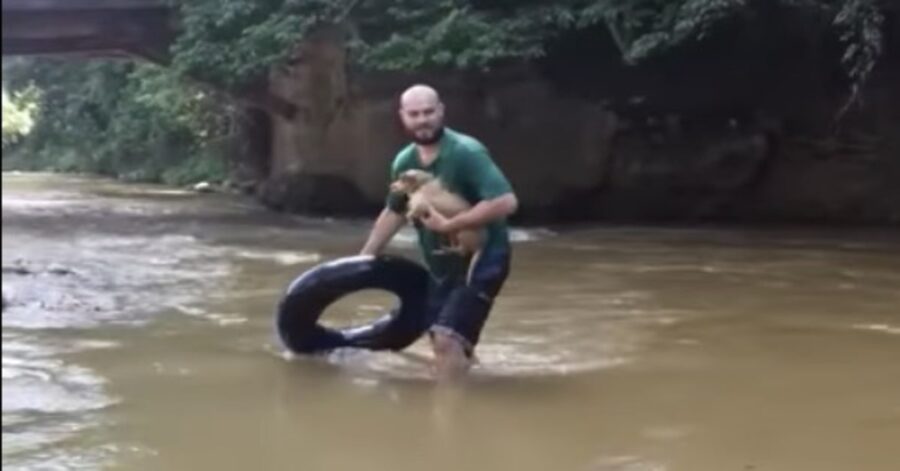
[486,179]
[396,202]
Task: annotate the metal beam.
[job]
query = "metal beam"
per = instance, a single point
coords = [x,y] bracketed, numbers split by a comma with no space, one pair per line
[80,5]
[21,46]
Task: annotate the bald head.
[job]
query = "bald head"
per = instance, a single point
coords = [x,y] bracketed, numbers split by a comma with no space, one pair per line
[422,114]
[419,95]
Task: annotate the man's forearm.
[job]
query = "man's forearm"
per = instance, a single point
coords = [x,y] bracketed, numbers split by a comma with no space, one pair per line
[387,224]
[484,213]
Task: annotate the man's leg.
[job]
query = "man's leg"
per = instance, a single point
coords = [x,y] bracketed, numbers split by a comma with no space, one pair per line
[439,292]
[460,320]
[450,358]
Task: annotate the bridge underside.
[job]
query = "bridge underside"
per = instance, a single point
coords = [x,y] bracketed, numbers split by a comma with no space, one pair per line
[96,27]
[142,28]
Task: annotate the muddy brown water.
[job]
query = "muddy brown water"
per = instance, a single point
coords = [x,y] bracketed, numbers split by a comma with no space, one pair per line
[138,335]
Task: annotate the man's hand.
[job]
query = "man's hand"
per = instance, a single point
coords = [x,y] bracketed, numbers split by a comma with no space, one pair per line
[386,226]
[436,221]
[480,215]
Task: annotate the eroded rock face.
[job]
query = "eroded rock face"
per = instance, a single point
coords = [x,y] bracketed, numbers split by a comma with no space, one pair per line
[326,195]
[677,176]
[748,138]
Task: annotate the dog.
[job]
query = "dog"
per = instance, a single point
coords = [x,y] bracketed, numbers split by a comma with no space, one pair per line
[424,192]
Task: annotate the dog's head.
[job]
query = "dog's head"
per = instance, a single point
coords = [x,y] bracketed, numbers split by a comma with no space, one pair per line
[410,181]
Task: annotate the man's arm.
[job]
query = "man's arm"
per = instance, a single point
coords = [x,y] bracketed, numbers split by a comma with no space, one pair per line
[391,218]
[497,199]
[481,214]
[386,226]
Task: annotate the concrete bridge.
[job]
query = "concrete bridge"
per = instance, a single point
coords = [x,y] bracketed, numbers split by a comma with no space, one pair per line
[143,28]
[104,28]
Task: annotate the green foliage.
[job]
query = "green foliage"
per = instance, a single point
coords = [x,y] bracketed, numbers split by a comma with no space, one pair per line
[236,42]
[456,34]
[645,28]
[860,22]
[411,34]
[144,122]
[18,115]
[119,118]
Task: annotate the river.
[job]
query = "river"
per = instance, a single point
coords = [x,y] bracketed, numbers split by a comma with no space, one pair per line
[138,335]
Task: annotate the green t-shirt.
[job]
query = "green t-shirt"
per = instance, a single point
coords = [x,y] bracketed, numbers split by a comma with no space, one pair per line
[465,167]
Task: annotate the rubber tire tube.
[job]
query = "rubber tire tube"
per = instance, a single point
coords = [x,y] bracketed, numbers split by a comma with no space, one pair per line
[307,297]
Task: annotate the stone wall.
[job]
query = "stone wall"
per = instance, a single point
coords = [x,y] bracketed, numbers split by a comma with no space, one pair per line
[744,132]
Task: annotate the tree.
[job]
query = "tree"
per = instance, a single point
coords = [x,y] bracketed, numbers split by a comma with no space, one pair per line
[120,118]
[18,115]
[237,42]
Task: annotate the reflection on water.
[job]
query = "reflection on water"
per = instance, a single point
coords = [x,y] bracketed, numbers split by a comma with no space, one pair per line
[137,334]
[48,402]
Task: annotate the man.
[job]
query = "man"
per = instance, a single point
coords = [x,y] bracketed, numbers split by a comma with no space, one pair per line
[458,305]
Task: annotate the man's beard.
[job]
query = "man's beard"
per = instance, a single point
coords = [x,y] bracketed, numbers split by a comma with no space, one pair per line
[427,141]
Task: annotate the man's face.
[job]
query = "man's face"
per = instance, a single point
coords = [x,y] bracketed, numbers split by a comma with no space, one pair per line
[423,119]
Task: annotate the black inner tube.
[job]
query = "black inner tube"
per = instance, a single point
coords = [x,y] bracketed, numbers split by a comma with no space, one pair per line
[313,291]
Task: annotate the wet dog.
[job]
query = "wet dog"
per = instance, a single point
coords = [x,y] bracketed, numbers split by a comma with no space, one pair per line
[427,193]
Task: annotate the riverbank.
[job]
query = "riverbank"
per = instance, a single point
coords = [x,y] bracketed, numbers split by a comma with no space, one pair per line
[581,210]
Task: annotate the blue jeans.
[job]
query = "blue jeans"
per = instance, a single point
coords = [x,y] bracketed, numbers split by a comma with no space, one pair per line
[459,308]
